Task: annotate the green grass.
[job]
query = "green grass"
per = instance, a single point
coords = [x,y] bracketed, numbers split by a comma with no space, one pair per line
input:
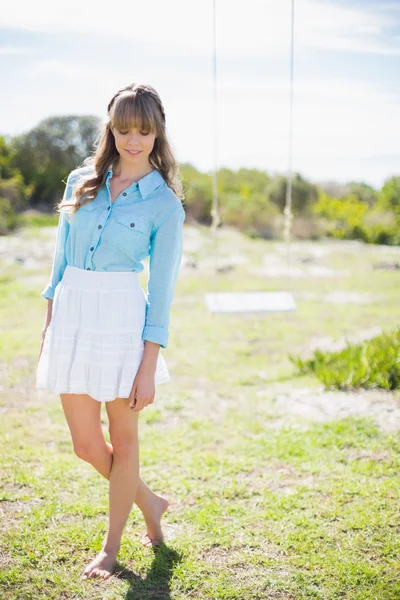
[261,506]
[34,218]
[371,364]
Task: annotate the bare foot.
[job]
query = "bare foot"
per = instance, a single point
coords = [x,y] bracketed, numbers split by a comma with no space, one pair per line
[154,535]
[102,566]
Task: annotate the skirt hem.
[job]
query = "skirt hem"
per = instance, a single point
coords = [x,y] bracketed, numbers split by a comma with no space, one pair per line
[81,389]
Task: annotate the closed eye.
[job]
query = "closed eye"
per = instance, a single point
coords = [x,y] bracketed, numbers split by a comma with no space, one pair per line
[142,132]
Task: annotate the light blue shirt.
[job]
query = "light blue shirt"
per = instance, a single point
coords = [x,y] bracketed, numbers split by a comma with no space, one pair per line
[146,219]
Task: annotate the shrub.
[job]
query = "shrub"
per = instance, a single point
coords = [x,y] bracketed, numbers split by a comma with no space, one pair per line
[374,363]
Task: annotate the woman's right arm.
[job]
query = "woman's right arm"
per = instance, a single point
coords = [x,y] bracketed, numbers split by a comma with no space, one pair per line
[59,256]
[46,324]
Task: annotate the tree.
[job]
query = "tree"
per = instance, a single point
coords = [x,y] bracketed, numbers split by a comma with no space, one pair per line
[46,154]
[363,191]
[389,197]
[304,193]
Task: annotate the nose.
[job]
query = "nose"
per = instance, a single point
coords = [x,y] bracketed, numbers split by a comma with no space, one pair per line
[133,139]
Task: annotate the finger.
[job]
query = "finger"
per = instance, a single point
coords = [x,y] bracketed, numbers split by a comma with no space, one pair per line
[138,406]
[135,402]
[132,397]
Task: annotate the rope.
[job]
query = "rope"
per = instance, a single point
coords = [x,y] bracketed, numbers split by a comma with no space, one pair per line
[287,212]
[214,209]
[288,215]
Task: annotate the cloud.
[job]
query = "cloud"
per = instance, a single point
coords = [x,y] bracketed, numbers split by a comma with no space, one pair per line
[340,125]
[17,50]
[258,27]
[362,29]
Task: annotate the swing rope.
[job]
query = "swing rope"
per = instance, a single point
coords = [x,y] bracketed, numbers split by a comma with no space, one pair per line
[287,212]
[214,208]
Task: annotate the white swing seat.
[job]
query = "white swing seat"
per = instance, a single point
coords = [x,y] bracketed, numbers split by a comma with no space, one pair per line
[241,302]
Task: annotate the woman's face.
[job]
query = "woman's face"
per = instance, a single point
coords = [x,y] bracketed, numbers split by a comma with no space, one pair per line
[134,145]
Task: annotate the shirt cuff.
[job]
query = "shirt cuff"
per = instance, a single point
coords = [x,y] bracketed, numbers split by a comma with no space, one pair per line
[158,335]
[48,292]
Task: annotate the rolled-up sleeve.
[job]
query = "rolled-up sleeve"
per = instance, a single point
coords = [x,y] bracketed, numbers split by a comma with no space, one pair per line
[165,260]
[59,256]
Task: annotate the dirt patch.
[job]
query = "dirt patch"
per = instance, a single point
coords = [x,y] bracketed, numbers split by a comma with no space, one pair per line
[31,252]
[6,561]
[345,297]
[328,344]
[375,455]
[281,478]
[317,404]
[12,511]
[242,565]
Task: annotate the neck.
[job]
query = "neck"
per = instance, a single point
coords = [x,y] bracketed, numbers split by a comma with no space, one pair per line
[127,172]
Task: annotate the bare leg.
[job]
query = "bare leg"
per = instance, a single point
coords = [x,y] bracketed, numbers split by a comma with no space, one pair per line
[83,417]
[151,505]
[124,478]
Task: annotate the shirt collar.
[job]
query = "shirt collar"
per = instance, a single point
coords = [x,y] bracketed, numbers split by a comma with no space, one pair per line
[147,184]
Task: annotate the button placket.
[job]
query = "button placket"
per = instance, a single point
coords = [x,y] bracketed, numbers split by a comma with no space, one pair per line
[99,226]
[133,187]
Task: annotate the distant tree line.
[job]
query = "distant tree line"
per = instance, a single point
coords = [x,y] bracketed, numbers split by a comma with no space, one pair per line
[33,166]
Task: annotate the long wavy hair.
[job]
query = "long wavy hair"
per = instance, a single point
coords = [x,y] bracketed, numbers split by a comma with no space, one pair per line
[137,104]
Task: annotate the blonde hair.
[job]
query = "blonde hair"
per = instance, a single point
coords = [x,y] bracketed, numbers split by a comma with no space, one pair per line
[136,104]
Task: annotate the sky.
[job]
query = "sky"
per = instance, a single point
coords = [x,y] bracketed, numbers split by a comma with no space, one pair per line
[70,58]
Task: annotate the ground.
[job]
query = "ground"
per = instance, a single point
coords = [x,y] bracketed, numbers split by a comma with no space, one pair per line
[278,488]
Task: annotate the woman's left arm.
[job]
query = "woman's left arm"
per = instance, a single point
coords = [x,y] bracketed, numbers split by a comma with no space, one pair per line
[165,260]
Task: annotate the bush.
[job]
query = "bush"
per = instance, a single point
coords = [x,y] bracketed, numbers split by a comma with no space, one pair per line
[374,363]
[351,218]
[344,216]
[250,212]
[8,216]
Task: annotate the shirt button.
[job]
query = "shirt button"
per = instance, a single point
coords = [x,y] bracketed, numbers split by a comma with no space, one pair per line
[88,269]
[108,207]
[132,224]
[124,194]
[92,248]
[99,226]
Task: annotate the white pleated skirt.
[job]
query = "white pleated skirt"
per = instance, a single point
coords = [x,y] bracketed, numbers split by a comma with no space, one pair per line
[93,344]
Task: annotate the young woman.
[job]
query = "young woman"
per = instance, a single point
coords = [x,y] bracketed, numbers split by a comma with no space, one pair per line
[103,335]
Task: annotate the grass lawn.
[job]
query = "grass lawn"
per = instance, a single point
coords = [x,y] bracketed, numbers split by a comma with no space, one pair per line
[264,504]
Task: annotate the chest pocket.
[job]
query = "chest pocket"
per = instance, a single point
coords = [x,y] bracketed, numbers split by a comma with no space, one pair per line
[132,235]
[85,216]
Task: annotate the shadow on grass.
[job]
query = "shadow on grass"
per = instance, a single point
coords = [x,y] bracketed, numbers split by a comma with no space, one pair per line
[157,582]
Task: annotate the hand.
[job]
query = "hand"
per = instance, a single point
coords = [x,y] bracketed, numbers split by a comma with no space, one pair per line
[41,347]
[143,389]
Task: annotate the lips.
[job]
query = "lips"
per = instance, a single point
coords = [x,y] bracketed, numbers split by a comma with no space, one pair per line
[133,152]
